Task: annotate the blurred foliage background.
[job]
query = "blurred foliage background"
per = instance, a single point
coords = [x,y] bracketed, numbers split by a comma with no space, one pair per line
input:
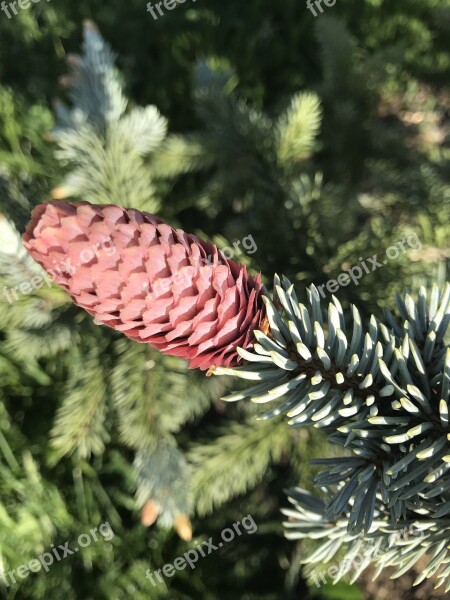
[325,139]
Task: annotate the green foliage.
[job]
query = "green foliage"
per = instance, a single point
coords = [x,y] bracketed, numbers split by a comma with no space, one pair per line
[242,455]
[80,421]
[99,390]
[298,128]
[323,138]
[104,146]
[237,461]
[142,408]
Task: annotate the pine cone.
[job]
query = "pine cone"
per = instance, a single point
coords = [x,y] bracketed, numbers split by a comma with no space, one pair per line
[157,285]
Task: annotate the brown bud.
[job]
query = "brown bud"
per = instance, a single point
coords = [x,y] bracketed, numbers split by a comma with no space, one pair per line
[183,527]
[149,513]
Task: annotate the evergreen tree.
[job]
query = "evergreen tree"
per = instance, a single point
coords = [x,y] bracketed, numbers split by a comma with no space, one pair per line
[309,142]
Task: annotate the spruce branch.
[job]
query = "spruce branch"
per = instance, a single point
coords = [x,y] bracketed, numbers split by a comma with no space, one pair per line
[106,148]
[151,400]
[380,391]
[80,421]
[235,462]
[181,154]
[95,86]
[298,128]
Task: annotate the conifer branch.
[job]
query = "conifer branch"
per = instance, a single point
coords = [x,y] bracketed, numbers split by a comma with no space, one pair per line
[381,392]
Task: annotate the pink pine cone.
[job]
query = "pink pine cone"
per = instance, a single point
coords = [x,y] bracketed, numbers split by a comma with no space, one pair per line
[156,284]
